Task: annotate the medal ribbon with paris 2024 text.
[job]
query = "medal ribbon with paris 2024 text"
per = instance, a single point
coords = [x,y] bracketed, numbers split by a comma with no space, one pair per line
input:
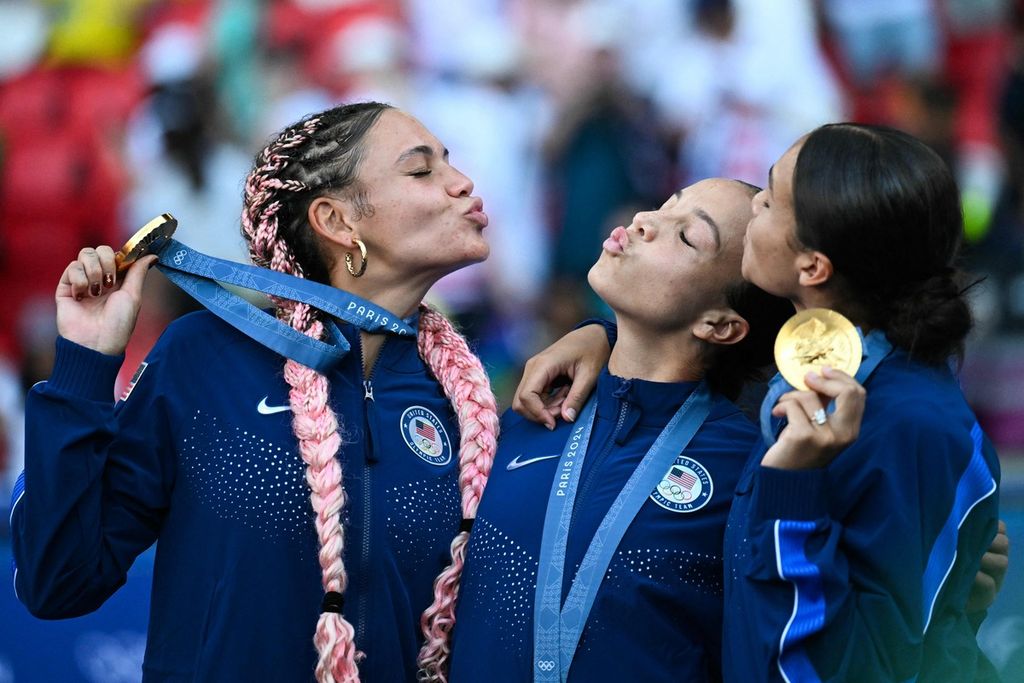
[557,627]
[200,276]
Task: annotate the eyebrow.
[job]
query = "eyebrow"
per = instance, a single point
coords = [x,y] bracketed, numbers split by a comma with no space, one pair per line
[703,215]
[425,150]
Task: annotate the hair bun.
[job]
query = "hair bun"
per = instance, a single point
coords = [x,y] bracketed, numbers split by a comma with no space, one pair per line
[931,318]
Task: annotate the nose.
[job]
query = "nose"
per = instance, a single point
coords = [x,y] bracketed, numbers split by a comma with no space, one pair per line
[646,225]
[757,202]
[459,185]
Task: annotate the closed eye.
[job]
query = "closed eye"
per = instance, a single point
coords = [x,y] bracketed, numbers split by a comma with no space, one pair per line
[421,174]
[682,236]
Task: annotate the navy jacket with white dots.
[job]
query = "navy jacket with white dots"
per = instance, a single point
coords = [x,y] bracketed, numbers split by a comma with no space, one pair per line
[201,457]
[657,615]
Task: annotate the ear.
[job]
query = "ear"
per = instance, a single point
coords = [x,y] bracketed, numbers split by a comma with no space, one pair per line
[721,326]
[328,216]
[815,268]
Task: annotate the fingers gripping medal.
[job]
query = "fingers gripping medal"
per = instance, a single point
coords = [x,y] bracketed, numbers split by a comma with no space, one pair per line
[814,338]
[150,238]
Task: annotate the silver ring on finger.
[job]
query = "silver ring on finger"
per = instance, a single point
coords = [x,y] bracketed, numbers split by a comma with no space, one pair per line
[819,417]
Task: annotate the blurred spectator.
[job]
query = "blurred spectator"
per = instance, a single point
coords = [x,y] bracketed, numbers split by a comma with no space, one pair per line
[977,36]
[62,176]
[740,94]
[96,32]
[179,157]
[875,38]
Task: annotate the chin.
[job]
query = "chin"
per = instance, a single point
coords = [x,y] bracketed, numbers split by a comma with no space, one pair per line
[602,283]
[480,253]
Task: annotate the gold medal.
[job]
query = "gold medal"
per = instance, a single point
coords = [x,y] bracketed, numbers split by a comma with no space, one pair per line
[149,238]
[814,338]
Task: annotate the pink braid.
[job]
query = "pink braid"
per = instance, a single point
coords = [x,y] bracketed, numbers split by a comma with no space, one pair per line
[316,427]
[466,384]
[314,422]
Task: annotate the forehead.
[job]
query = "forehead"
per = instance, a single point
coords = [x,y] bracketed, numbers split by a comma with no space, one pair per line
[726,202]
[395,133]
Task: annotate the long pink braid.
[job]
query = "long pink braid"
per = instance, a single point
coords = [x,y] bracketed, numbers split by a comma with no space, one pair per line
[316,427]
[467,387]
[314,422]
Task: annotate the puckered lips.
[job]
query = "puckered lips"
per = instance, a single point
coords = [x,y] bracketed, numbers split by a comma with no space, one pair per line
[617,241]
[475,213]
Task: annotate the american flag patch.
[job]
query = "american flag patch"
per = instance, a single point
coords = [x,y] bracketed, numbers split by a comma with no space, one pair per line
[426,430]
[135,379]
[680,476]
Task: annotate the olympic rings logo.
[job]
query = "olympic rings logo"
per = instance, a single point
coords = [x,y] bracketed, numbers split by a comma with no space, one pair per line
[546,665]
[180,257]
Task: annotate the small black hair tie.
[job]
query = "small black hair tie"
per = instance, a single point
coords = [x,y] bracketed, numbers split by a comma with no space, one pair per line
[333,602]
[467,525]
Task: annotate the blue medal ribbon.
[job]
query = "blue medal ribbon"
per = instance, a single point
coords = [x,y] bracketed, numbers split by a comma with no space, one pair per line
[200,276]
[557,627]
[876,348]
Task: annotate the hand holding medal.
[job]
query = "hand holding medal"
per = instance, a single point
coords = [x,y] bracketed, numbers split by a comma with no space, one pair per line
[99,294]
[818,352]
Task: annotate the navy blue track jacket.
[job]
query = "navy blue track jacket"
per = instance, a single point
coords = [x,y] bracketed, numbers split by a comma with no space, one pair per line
[201,456]
[657,614]
[860,571]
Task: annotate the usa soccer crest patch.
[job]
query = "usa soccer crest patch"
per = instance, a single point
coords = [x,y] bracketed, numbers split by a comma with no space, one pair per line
[686,487]
[425,435]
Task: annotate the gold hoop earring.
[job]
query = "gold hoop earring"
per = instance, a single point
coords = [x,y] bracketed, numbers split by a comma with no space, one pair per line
[349,259]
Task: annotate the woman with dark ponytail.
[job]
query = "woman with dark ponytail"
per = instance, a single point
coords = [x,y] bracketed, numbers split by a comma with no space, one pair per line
[860,522]
[219,446]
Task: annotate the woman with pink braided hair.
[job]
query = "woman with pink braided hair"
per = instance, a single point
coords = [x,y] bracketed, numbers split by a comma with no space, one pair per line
[200,452]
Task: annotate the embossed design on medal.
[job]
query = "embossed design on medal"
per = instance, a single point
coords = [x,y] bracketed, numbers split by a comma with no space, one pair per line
[148,239]
[815,338]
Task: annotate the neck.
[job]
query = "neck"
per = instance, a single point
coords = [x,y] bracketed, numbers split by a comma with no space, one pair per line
[824,298]
[401,299]
[656,356]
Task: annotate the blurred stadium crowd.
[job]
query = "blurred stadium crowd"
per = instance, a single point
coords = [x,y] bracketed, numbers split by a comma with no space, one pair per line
[569,115]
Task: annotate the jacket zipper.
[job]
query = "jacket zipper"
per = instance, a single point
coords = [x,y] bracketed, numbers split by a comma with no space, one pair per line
[369,419]
[586,484]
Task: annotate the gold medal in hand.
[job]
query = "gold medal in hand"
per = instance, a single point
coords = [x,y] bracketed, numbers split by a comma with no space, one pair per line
[814,338]
[148,239]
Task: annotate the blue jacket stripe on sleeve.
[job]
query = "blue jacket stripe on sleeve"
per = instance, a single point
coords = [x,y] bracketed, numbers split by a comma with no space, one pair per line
[19,491]
[16,496]
[975,485]
[808,600]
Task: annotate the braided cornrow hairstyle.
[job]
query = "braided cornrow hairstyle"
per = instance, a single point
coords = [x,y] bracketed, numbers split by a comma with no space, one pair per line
[321,153]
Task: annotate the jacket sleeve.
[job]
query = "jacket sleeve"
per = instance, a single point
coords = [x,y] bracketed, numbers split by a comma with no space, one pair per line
[847,585]
[97,480]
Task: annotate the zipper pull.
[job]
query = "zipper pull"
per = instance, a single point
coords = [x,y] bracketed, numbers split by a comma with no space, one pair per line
[368,389]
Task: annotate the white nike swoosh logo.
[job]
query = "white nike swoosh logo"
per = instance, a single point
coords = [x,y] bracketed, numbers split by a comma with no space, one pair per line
[264,409]
[516,463]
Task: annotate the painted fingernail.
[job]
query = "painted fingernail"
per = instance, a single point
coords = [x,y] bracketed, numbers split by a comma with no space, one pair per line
[94,289]
[108,280]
